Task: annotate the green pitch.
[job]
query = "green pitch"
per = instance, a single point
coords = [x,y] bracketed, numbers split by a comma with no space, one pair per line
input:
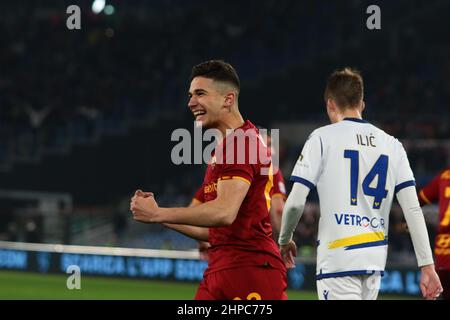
[22,285]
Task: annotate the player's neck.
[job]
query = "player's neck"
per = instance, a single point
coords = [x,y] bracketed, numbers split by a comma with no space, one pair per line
[350,113]
[232,121]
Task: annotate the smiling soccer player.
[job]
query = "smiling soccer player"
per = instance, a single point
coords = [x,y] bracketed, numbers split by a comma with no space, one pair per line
[244,261]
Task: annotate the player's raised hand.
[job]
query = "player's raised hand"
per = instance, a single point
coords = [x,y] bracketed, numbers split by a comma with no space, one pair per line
[430,285]
[140,193]
[288,252]
[143,206]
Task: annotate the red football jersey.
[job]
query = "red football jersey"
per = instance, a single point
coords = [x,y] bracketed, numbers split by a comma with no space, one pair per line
[438,190]
[279,187]
[247,242]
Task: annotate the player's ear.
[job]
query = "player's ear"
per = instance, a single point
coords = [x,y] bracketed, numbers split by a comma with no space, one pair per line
[363,106]
[330,105]
[230,98]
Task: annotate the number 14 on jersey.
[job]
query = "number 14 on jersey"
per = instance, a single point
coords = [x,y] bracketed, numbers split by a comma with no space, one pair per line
[379,169]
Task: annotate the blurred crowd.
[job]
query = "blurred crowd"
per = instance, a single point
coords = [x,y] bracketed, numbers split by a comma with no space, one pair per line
[59,87]
[55,82]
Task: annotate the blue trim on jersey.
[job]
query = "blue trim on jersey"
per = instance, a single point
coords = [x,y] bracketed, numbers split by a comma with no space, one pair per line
[347,273]
[367,245]
[404,185]
[353,155]
[356,120]
[307,183]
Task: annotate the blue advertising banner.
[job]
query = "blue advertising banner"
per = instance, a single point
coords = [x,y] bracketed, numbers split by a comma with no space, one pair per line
[399,280]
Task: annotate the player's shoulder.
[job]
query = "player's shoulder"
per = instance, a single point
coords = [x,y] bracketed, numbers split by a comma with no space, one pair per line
[248,129]
[249,126]
[445,174]
[388,139]
[329,129]
[243,146]
[393,141]
[342,126]
[324,130]
[392,145]
[322,134]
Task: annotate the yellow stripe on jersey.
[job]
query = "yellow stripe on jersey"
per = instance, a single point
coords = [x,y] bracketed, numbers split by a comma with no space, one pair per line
[358,239]
[268,187]
[446,218]
[235,177]
[278,195]
[423,196]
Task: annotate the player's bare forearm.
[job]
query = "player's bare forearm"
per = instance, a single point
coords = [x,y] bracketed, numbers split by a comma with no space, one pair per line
[210,214]
[275,219]
[216,213]
[197,233]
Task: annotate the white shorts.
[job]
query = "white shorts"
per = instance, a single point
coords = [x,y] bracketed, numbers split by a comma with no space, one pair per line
[364,287]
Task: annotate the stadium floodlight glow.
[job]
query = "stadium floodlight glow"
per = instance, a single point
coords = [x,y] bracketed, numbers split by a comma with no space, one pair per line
[109,9]
[98,6]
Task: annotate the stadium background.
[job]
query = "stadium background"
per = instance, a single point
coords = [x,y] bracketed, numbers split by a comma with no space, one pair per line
[86,118]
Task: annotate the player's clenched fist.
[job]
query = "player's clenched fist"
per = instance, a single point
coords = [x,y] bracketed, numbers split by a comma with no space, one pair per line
[143,206]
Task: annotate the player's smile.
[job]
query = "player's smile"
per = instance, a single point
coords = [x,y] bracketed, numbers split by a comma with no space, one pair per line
[199,114]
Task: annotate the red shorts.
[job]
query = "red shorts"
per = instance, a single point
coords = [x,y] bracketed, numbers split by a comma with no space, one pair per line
[246,283]
[444,276]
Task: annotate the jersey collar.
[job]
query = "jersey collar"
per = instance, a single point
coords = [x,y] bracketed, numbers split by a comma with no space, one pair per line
[356,120]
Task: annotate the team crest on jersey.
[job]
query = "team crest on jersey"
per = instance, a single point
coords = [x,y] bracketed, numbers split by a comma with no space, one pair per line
[302,164]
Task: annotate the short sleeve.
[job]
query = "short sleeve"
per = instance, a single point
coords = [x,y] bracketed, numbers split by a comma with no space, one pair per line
[242,172]
[430,193]
[237,157]
[279,187]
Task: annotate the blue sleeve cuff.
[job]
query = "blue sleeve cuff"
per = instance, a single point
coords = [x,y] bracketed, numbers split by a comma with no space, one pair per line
[404,185]
[307,183]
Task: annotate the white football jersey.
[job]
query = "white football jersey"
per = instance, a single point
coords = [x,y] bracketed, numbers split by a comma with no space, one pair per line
[357,169]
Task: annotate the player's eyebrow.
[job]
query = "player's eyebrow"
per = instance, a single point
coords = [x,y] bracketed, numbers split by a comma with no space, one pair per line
[197,91]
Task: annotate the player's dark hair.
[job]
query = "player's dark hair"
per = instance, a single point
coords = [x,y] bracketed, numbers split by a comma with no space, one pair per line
[345,87]
[217,70]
